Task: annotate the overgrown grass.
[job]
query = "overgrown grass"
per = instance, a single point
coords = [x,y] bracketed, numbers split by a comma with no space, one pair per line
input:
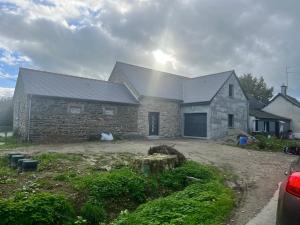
[201,204]
[39,209]
[12,142]
[189,194]
[50,160]
[274,144]
[125,189]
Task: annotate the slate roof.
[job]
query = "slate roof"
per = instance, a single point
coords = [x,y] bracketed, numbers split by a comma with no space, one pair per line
[291,99]
[254,103]
[152,83]
[259,114]
[204,88]
[59,85]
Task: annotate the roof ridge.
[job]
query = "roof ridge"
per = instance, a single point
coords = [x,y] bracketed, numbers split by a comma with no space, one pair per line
[68,75]
[173,74]
[143,67]
[213,74]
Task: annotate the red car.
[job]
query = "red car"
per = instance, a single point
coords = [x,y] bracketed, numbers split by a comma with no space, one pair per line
[288,208]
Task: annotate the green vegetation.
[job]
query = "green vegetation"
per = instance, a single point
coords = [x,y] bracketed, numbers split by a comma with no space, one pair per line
[201,204]
[12,142]
[112,185]
[264,143]
[189,194]
[39,209]
[52,160]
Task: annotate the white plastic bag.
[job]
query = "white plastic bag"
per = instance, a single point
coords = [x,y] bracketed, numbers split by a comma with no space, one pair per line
[106,137]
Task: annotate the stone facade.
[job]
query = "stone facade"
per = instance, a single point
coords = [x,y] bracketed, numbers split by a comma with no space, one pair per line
[222,105]
[219,108]
[20,112]
[169,116]
[63,120]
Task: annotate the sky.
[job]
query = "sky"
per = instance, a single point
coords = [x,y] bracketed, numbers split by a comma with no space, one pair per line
[187,37]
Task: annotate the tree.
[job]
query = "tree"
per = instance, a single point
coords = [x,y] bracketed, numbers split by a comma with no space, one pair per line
[6,112]
[256,87]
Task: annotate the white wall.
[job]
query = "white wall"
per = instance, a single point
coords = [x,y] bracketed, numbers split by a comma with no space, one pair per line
[284,108]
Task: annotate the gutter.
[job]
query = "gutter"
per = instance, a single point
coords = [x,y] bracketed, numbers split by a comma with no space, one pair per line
[28,119]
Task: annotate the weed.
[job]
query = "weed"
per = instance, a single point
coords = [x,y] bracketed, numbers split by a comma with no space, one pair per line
[50,160]
[12,142]
[43,208]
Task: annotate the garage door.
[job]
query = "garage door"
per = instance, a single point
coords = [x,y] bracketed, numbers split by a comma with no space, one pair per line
[195,124]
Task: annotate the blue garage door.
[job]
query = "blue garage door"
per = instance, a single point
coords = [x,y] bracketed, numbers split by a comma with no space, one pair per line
[195,124]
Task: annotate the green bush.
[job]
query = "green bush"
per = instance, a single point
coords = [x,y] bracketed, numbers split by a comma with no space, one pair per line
[39,209]
[114,185]
[272,143]
[177,179]
[93,211]
[201,204]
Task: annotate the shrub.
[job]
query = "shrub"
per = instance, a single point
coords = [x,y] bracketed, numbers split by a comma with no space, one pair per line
[93,211]
[177,179]
[202,204]
[39,209]
[117,184]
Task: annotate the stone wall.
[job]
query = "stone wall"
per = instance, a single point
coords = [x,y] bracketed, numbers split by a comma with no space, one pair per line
[20,111]
[223,104]
[63,120]
[169,116]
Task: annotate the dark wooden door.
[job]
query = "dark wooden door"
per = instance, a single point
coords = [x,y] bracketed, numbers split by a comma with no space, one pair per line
[195,124]
[153,123]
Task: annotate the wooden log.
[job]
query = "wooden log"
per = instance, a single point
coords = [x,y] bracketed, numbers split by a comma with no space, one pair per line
[155,163]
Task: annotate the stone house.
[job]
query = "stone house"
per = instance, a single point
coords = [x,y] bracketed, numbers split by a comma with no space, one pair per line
[135,101]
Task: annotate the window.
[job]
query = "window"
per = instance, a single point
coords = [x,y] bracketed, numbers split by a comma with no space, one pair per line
[109,111]
[231,91]
[75,109]
[230,121]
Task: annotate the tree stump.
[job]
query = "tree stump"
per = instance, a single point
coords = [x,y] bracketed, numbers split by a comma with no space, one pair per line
[155,163]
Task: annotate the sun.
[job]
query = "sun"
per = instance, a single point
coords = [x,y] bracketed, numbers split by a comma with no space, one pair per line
[162,58]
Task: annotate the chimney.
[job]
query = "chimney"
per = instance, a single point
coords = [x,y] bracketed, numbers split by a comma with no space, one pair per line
[283,89]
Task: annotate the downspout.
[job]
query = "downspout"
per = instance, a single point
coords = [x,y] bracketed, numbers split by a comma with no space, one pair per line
[29,112]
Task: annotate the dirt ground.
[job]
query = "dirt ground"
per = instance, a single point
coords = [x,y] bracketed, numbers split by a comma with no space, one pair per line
[258,172]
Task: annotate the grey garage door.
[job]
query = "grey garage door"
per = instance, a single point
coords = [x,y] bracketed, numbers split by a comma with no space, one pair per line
[195,124]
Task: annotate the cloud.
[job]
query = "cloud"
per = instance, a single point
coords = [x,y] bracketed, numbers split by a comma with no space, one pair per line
[86,37]
[6,92]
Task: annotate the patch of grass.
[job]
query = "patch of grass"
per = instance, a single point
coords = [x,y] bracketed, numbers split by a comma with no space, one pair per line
[180,177]
[124,189]
[113,185]
[7,175]
[12,142]
[43,208]
[65,176]
[50,160]
[201,204]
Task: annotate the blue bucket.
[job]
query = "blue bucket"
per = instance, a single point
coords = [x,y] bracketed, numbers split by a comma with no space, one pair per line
[243,140]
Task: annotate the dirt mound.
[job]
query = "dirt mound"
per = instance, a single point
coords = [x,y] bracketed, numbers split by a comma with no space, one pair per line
[167,150]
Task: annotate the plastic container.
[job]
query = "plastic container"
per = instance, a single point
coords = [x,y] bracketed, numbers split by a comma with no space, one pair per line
[243,140]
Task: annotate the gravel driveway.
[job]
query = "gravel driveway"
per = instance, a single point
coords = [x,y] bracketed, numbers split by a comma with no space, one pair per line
[259,171]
